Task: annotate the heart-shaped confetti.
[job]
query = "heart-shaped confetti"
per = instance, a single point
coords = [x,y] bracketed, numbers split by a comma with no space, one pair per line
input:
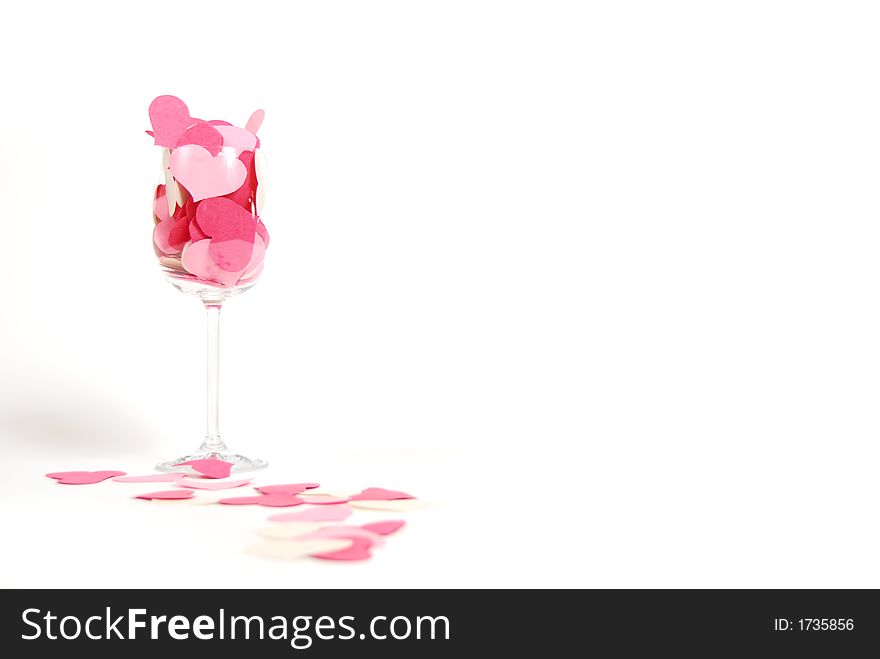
[292,488]
[204,135]
[384,528]
[205,175]
[151,478]
[237,138]
[170,118]
[210,468]
[196,258]
[232,230]
[212,484]
[292,550]
[380,494]
[167,495]
[256,120]
[271,500]
[319,514]
[83,477]
[358,551]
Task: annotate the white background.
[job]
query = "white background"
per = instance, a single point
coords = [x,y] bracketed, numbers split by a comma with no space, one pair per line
[600,280]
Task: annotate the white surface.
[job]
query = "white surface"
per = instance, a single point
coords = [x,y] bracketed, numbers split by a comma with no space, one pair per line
[598,279]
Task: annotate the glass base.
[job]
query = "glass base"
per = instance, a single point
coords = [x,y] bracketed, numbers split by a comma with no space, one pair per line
[240,463]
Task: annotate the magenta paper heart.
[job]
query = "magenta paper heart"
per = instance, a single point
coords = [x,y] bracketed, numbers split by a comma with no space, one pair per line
[319,514]
[384,528]
[210,468]
[197,260]
[380,494]
[246,195]
[83,477]
[271,500]
[359,551]
[202,134]
[167,495]
[293,488]
[170,118]
[232,230]
[237,138]
[204,175]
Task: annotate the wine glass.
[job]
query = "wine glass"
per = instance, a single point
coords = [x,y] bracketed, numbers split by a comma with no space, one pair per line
[211,242]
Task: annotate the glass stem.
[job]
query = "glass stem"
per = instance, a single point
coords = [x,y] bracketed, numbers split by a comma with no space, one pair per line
[212,441]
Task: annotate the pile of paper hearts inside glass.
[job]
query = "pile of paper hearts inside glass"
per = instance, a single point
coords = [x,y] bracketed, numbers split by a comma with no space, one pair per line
[207,211]
[314,529]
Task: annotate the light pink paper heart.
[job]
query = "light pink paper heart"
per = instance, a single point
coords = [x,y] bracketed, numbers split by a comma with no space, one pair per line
[212,484]
[151,478]
[83,477]
[359,551]
[169,117]
[167,495]
[196,258]
[256,120]
[232,230]
[210,468]
[292,488]
[271,500]
[204,175]
[380,494]
[202,134]
[320,514]
[237,138]
[384,528]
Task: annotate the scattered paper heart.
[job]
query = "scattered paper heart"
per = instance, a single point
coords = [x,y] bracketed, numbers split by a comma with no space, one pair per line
[83,477]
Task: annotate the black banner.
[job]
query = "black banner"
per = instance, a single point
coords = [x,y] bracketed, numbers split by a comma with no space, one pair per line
[418,623]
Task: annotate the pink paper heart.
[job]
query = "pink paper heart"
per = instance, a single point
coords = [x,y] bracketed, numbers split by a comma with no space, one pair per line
[160,204]
[204,175]
[256,120]
[210,468]
[167,495]
[237,138]
[202,134]
[170,118]
[380,494]
[384,528]
[293,488]
[218,122]
[359,550]
[211,484]
[320,514]
[232,230]
[83,477]
[151,478]
[197,260]
[271,500]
